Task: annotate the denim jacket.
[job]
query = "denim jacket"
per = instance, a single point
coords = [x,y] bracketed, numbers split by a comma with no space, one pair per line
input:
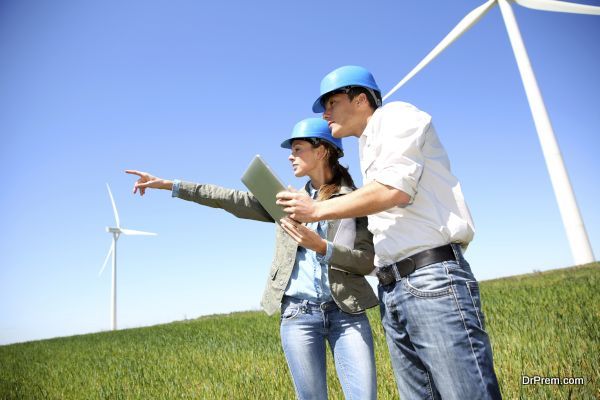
[351,259]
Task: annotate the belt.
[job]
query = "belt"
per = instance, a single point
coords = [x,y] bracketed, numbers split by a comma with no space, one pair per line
[408,265]
[327,306]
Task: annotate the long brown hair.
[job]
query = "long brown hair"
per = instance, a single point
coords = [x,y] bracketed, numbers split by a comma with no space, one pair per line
[339,172]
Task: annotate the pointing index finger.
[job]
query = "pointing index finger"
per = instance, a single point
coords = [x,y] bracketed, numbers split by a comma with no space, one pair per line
[133,172]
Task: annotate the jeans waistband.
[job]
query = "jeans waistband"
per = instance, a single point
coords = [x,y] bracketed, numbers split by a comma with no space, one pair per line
[325,306]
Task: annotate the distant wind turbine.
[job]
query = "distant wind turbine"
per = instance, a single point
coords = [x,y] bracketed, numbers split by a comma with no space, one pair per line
[575,229]
[116,232]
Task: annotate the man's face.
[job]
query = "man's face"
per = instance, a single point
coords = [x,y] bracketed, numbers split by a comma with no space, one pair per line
[340,113]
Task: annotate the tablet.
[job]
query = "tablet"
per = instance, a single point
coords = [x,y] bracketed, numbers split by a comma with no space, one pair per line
[264,185]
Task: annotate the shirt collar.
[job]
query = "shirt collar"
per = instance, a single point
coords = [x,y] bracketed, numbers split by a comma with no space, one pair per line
[312,192]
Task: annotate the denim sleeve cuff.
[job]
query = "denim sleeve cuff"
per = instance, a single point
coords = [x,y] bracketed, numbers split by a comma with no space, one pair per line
[324,259]
[175,190]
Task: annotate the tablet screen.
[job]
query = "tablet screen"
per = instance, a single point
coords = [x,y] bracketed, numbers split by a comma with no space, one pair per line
[264,185]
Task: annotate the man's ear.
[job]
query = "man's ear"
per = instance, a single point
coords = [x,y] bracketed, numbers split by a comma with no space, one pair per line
[361,98]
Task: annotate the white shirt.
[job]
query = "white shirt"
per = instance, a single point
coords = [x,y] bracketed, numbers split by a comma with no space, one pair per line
[400,148]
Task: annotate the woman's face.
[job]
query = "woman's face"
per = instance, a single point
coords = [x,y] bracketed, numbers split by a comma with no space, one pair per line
[305,158]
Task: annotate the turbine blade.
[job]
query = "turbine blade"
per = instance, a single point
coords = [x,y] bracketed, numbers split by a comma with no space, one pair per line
[112,246]
[464,25]
[132,232]
[112,200]
[559,6]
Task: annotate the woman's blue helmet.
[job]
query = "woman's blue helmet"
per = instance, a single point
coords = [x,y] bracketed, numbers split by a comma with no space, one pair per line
[343,77]
[313,128]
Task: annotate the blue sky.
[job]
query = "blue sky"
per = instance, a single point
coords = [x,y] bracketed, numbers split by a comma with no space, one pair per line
[193,90]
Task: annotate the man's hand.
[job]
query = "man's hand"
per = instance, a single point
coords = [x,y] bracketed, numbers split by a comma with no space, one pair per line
[372,198]
[148,181]
[305,237]
[299,206]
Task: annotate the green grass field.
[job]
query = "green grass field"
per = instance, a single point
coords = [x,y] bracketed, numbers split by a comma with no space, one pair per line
[544,324]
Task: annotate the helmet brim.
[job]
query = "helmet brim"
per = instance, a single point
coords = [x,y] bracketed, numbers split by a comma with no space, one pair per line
[318,106]
[287,144]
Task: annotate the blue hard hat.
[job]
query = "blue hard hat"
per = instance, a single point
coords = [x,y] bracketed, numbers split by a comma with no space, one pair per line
[348,75]
[313,128]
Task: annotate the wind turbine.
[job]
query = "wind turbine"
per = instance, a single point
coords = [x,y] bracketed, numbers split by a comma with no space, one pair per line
[575,229]
[116,232]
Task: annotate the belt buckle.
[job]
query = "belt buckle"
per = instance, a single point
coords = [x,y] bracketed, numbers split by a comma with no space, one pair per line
[405,271]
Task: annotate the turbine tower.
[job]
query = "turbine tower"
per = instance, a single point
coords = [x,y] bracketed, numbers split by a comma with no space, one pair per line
[571,217]
[116,232]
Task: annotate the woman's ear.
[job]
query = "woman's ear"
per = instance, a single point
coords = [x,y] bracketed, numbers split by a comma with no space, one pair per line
[322,152]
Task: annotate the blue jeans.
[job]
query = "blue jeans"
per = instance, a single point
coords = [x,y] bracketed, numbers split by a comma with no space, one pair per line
[305,326]
[435,333]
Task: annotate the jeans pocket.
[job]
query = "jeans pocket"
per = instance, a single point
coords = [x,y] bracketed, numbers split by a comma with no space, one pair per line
[431,281]
[475,296]
[290,312]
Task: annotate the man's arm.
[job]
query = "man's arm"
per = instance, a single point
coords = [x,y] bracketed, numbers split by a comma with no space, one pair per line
[370,199]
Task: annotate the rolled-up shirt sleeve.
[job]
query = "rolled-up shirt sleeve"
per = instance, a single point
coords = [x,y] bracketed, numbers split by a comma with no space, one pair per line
[399,160]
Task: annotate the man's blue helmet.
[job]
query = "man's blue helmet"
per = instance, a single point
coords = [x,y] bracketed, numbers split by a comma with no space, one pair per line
[343,77]
[313,128]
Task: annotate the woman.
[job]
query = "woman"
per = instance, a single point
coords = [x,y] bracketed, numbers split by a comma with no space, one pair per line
[317,275]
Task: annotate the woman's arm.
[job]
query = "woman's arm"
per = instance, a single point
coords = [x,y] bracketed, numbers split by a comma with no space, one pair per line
[148,181]
[241,204]
[357,260]
[305,237]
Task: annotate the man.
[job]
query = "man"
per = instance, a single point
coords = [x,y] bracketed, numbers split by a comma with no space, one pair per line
[429,299]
